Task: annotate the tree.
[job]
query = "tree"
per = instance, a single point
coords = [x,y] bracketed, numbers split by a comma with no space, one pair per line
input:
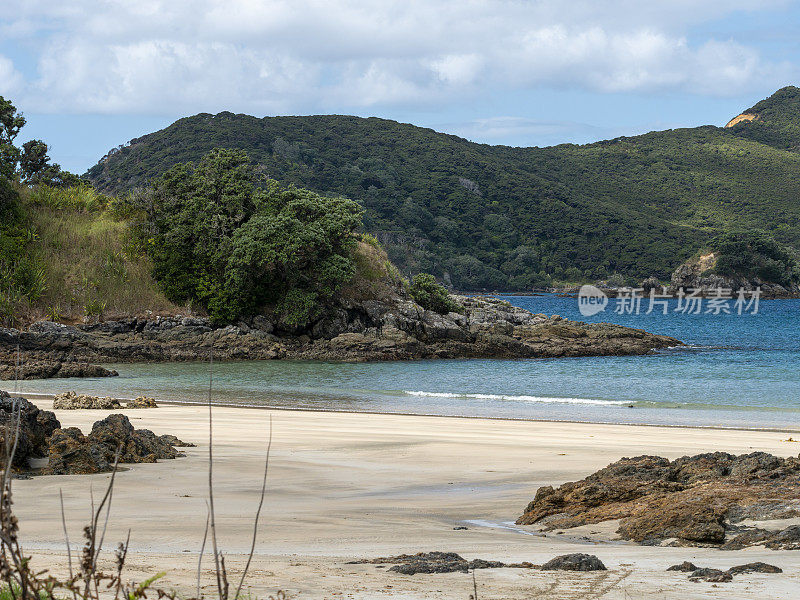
[10,124]
[239,245]
[29,164]
[33,159]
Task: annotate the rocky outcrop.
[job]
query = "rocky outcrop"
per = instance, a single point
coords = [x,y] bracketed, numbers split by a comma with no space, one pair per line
[71,452]
[22,422]
[73,401]
[47,369]
[695,500]
[784,539]
[38,434]
[389,329]
[697,274]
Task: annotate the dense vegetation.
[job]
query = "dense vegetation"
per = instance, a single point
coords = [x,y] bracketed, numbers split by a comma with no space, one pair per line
[480,216]
[217,235]
[754,254]
[219,240]
[776,123]
[432,296]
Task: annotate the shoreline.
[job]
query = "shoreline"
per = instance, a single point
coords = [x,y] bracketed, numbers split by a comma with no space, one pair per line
[228,404]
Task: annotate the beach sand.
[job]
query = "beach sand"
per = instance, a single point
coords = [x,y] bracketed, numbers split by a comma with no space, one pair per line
[345,486]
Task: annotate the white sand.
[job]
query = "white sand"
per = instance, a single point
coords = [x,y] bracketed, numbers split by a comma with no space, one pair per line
[344,486]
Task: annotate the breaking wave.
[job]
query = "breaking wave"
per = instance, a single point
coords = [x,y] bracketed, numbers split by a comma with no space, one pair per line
[546,399]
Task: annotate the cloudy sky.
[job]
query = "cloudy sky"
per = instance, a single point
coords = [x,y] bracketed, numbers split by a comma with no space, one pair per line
[91,74]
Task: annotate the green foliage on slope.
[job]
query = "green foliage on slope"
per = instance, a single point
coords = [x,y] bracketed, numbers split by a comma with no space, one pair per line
[754,254]
[777,121]
[219,240]
[432,296]
[514,218]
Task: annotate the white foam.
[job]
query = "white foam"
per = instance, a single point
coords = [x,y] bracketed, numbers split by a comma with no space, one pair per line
[507,397]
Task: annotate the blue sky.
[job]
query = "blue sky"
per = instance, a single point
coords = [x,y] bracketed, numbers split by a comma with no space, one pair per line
[91,75]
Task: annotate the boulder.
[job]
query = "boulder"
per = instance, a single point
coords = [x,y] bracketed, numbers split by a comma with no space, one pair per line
[141,402]
[574,562]
[136,445]
[684,567]
[754,567]
[710,575]
[31,430]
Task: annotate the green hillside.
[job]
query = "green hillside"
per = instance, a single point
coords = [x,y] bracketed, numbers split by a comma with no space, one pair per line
[501,217]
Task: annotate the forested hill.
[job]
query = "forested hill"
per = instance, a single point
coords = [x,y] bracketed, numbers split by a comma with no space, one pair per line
[499,217]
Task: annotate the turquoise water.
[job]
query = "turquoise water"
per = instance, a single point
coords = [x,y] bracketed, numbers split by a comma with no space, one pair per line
[738,370]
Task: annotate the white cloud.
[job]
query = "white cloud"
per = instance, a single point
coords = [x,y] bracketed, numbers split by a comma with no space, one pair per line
[10,79]
[262,56]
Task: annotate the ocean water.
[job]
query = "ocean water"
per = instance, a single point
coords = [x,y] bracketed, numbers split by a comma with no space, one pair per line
[736,371]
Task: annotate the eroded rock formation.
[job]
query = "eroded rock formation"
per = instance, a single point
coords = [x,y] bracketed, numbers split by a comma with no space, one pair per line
[694,500]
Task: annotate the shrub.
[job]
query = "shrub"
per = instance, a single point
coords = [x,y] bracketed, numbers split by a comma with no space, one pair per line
[432,296]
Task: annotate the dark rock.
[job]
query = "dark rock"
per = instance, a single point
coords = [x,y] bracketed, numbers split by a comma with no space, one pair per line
[786,539]
[71,452]
[574,562]
[711,576]
[135,445]
[31,431]
[431,562]
[174,441]
[38,369]
[684,567]
[693,499]
[754,567]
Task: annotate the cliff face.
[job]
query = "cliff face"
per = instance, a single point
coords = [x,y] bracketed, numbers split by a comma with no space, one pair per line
[392,328]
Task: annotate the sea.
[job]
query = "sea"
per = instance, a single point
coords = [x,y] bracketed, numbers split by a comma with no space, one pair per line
[736,371]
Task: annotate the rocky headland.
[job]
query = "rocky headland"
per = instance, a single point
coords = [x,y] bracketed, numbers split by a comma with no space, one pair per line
[715,499]
[389,328]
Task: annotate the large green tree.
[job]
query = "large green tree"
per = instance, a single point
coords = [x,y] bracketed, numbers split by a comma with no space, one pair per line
[238,244]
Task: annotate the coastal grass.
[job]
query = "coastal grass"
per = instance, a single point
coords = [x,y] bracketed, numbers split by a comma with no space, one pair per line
[90,259]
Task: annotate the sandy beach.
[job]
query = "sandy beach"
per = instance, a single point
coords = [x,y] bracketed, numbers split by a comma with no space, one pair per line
[345,486]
